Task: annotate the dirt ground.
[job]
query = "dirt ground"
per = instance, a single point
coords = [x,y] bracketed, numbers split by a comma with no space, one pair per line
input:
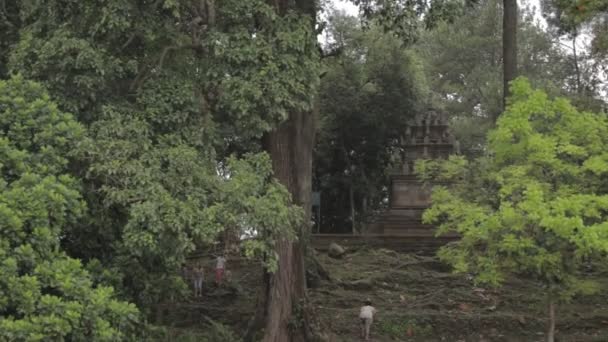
[418,300]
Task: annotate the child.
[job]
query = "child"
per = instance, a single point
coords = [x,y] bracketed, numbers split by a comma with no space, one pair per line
[198,275]
[367,317]
[220,265]
[228,276]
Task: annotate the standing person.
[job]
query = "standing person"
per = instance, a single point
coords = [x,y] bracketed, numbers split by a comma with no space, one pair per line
[220,266]
[186,274]
[198,273]
[367,317]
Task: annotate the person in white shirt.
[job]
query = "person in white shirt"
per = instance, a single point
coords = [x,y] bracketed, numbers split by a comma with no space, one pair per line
[220,266]
[367,317]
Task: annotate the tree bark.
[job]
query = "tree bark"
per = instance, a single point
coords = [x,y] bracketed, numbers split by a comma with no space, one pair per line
[351,197]
[509,45]
[551,325]
[289,316]
[576,67]
[290,148]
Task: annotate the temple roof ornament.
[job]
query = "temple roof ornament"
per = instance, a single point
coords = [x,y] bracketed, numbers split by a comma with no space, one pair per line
[427,136]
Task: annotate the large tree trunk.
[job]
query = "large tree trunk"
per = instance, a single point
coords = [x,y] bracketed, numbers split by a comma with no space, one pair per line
[509,45]
[288,315]
[290,147]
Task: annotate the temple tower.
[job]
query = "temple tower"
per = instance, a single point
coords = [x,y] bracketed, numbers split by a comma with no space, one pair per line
[426,136]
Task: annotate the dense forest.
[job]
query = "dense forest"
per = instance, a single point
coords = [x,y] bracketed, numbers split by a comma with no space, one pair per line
[454,64]
[137,133]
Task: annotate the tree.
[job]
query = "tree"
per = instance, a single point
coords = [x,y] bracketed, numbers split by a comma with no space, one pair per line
[45,294]
[406,18]
[10,23]
[567,16]
[368,94]
[170,89]
[463,65]
[536,206]
[288,315]
[588,19]
[509,45]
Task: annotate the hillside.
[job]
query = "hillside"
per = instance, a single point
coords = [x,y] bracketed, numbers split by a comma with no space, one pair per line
[418,295]
[418,300]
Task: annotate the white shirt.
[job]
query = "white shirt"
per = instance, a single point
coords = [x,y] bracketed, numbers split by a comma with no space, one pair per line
[220,262]
[367,311]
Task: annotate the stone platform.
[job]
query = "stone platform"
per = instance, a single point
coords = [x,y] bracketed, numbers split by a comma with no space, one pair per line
[400,227]
[419,244]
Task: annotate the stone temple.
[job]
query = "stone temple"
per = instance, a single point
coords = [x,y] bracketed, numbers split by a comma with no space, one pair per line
[400,226]
[427,136]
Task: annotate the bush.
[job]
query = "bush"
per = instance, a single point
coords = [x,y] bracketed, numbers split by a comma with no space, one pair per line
[45,294]
[400,328]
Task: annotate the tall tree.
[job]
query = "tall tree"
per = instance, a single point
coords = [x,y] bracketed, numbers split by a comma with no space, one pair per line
[10,23]
[573,20]
[536,206]
[463,65]
[367,96]
[44,293]
[169,89]
[509,45]
[288,315]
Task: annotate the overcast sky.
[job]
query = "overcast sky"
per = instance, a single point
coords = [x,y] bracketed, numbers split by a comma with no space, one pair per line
[352,9]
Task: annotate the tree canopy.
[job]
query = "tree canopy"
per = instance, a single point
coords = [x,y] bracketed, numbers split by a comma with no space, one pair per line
[44,293]
[368,94]
[463,63]
[537,205]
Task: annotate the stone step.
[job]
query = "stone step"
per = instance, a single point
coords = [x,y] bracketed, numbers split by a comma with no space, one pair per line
[406,242]
[409,231]
[412,212]
[400,219]
[404,226]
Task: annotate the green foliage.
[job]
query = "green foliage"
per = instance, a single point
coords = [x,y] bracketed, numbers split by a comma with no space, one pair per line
[251,65]
[272,70]
[567,15]
[158,170]
[441,170]
[258,205]
[169,91]
[537,206]
[218,332]
[401,328]
[44,294]
[407,18]
[463,63]
[211,332]
[584,22]
[10,22]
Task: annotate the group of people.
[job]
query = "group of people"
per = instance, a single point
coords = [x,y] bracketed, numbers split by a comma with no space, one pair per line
[366,314]
[198,274]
